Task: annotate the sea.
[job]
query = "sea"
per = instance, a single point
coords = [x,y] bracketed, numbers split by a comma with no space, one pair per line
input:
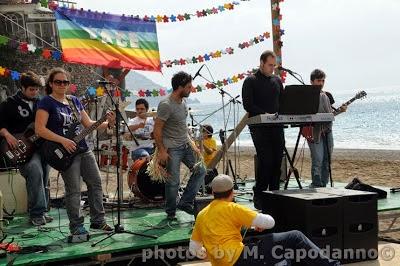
[369,123]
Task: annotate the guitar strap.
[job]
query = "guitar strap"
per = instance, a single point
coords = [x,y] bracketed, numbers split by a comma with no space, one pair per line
[75,112]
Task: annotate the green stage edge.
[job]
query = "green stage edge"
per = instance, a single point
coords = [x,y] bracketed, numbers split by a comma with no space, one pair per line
[147,221]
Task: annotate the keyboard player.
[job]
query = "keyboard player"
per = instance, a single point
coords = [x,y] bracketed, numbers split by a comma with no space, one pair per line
[261,94]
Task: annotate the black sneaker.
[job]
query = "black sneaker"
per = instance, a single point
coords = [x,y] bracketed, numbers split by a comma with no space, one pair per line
[38,221]
[103,226]
[187,208]
[47,217]
[171,216]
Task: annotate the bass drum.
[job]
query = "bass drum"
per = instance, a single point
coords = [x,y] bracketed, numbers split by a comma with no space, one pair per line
[141,184]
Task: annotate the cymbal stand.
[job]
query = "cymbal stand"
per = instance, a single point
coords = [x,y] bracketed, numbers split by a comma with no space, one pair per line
[118,228]
[232,100]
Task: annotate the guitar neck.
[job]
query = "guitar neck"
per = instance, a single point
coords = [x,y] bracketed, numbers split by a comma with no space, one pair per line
[350,101]
[346,103]
[89,130]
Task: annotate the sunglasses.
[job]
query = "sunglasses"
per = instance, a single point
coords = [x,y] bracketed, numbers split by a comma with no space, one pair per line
[61,82]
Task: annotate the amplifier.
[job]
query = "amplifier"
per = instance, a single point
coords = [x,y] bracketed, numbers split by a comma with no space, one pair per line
[13,187]
[317,215]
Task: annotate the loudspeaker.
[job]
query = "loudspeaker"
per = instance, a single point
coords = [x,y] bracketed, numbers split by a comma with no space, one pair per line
[317,215]
[200,203]
[360,222]
[13,187]
[283,167]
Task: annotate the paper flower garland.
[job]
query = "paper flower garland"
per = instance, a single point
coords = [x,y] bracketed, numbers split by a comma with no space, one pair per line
[215,54]
[219,83]
[163,18]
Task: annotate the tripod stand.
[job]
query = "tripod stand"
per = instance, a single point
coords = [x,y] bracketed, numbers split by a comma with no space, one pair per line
[118,228]
[233,100]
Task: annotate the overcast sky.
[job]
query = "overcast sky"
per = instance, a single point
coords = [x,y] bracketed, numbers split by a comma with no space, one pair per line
[356,42]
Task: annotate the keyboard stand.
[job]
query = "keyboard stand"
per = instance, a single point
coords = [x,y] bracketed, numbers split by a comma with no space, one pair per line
[291,160]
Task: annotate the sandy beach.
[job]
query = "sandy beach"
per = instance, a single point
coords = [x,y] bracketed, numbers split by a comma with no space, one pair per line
[375,167]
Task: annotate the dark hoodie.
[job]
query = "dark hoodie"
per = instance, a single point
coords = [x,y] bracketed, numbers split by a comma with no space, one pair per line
[15,113]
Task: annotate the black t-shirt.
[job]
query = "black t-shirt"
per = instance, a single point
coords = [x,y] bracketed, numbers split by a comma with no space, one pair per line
[15,113]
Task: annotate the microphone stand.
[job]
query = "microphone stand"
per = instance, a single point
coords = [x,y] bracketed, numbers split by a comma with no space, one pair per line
[118,228]
[234,101]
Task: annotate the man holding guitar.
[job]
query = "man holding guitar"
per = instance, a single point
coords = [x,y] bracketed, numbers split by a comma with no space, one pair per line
[17,114]
[321,143]
[58,120]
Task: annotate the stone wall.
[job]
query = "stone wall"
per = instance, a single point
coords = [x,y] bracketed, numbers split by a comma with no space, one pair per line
[81,75]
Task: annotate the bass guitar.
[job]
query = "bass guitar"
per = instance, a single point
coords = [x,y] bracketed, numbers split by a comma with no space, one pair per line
[26,147]
[57,156]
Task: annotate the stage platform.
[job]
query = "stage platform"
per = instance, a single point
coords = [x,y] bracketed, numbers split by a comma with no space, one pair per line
[170,234]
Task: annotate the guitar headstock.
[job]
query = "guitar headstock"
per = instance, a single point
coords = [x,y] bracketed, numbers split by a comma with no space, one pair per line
[361,95]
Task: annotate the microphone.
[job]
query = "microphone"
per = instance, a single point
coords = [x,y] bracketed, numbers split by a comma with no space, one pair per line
[198,72]
[104,82]
[285,69]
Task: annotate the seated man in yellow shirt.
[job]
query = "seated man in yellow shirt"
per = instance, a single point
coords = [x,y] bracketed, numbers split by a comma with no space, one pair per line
[209,144]
[216,234]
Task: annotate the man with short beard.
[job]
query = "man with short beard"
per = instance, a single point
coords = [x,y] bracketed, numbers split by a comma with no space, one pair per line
[174,146]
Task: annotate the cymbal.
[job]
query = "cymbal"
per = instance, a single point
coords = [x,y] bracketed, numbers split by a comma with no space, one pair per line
[151,114]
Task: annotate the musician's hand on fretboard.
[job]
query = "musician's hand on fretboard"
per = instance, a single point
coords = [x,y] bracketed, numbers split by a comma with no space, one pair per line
[343,108]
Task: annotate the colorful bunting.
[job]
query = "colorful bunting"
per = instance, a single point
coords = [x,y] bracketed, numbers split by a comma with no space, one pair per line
[163,18]
[216,54]
[199,88]
[58,55]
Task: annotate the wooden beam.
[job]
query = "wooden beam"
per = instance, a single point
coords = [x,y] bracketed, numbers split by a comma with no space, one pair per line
[235,133]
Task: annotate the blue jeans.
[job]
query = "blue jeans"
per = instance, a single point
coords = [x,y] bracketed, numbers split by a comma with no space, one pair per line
[84,165]
[321,153]
[141,152]
[274,249]
[36,173]
[186,155]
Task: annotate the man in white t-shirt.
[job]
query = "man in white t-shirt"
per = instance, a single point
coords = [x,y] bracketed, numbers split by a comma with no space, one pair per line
[142,127]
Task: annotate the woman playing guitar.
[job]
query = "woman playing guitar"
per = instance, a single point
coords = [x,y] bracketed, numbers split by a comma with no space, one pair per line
[56,113]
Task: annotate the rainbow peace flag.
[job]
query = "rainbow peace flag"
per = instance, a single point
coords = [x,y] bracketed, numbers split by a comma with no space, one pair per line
[108,40]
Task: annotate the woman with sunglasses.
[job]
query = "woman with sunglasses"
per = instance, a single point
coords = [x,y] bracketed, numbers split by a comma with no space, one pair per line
[53,119]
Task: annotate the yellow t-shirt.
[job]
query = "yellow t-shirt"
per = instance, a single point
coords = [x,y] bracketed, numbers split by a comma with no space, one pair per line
[211,144]
[218,228]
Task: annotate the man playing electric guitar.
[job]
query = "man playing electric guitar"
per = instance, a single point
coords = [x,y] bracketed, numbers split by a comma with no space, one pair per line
[17,113]
[321,144]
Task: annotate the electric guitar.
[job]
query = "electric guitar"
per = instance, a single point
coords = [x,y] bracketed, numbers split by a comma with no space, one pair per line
[57,156]
[25,148]
[307,131]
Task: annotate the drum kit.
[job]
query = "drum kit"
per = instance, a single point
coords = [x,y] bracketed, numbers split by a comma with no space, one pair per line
[138,180]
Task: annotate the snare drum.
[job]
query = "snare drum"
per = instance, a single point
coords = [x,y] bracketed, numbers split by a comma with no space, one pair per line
[141,184]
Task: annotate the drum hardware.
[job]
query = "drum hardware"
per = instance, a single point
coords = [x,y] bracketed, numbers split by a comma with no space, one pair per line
[141,184]
[118,227]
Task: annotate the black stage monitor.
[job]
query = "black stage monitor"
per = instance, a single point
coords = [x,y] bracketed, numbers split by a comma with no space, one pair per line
[300,100]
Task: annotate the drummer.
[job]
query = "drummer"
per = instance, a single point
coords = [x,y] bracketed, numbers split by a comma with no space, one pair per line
[142,127]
